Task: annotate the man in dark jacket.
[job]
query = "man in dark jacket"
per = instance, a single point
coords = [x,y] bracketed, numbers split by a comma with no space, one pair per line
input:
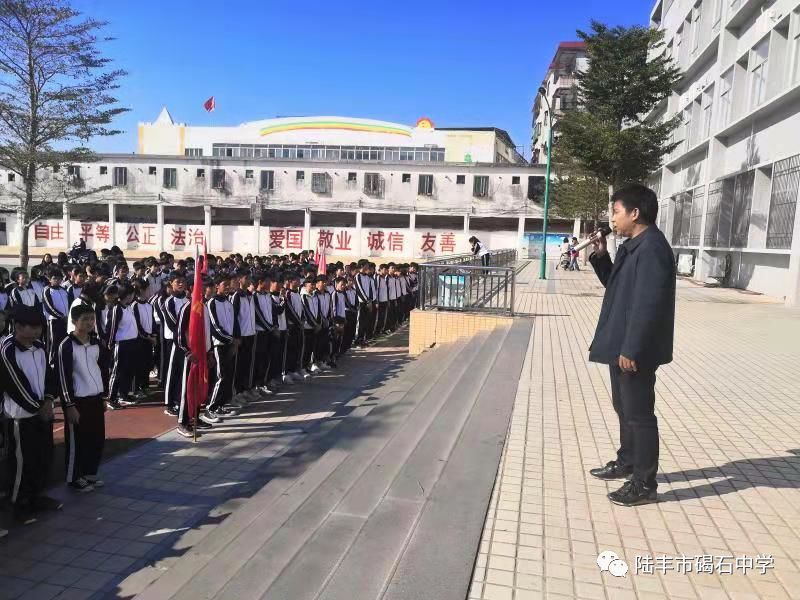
[634,336]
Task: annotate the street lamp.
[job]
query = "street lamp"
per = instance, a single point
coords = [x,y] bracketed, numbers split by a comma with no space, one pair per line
[543,263]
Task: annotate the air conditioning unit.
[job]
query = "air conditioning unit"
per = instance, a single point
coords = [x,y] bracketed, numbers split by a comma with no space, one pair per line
[685,264]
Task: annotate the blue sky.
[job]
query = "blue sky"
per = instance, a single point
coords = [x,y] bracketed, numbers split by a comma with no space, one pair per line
[467,63]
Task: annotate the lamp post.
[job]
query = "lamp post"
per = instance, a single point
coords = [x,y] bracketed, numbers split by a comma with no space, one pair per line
[543,263]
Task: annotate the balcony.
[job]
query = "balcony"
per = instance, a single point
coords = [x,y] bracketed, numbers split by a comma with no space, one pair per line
[374,185]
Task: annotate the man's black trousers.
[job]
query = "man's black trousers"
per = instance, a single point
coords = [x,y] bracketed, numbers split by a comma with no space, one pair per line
[83,442]
[634,398]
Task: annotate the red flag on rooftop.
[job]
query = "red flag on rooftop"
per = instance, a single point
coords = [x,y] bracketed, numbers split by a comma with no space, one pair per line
[197,384]
[210,104]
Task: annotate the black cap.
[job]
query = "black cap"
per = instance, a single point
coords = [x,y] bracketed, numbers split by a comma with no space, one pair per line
[27,315]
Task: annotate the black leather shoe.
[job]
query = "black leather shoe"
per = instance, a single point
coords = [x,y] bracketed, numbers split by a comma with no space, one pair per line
[633,493]
[611,471]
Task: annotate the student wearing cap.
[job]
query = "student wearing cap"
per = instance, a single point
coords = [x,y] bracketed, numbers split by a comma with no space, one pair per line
[82,374]
[29,388]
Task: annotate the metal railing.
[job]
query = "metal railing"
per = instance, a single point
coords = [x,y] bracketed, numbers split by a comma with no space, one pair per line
[462,283]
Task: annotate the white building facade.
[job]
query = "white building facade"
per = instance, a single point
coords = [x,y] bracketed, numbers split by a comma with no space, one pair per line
[355,187]
[728,193]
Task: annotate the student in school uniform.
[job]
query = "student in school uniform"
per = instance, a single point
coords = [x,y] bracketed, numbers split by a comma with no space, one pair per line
[172,306]
[278,341]
[295,321]
[161,354]
[367,296]
[37,282]
[55,302]
[322,351]
[77,280]
[123,341]
[89,296]
[382,285]
[245,330]
[223,322]
[144,315]
[312,324]
[265,325]
[82,373]
[413,284]
[394,296]
[23,292]
[28,390]
[351,312]
[338,319]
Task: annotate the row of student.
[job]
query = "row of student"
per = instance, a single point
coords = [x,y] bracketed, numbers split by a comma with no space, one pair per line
[261,332]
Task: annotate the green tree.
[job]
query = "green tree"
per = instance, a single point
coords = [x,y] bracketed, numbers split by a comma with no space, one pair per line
[615,137]
[55,94]
[579,195]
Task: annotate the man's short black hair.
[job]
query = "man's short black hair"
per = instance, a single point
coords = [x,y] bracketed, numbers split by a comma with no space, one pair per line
[636,195]
[79,310]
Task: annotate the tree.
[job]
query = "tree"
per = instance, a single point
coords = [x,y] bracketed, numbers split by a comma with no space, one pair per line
[615,138]
[55,94]
[578,195]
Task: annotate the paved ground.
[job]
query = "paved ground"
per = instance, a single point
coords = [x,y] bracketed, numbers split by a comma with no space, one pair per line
[729,419]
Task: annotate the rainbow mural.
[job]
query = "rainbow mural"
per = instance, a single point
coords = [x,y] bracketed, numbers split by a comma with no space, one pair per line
[340,125]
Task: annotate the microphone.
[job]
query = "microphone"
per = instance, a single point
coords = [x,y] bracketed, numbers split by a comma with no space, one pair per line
[597,235]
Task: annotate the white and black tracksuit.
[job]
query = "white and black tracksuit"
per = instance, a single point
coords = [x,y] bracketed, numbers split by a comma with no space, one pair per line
[277,360]
[265,325]
[55,302]
[169,325]
[351,312]
[382,286]
[122,335]
[480,249]
[339,320]
[26,296]
[145,322]
[367,295]
[312,325]
[160,355]
[223,321]
[26,379]
[322,350]
[245,329]
[82,373]
[295,321]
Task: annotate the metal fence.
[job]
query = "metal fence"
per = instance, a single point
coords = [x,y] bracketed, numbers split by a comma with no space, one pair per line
[463,283]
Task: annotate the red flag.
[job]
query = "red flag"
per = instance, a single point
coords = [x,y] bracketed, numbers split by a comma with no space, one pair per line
[197,384]
[210,104]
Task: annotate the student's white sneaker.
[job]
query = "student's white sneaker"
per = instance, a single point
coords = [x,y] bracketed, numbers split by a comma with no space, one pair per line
[305,375]
[315,368]
[288,379]
[266,391]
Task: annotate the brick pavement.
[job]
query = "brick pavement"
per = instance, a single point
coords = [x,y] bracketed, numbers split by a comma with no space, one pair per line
[729,480]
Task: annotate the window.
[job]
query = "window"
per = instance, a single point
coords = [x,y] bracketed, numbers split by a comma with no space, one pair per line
[708,99]
[406,178]
[103,170]
[373,185]
[717,12]
[151,170]
[193,152]
[74,171]
[796,50]
[480,186]
[461,179]
[758,72]
[515,180]
[218,179]
[267,181]
[120,176]
[201,173]
[352,177]
[696,216]
[170,178]
[535,188]
[696,30]
[725,98]
[783,202]
[425,187]
[742,203]
[248,173]
[12,176]
[320,183]
[300,176]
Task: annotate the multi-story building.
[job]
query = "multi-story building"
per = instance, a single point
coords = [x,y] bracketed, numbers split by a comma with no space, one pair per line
[561,87]
[728,192]
[361,187]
